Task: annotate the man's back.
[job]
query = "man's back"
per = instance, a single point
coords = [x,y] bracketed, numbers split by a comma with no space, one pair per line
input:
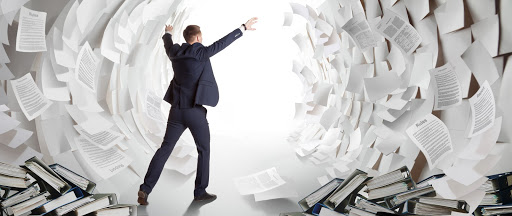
[194,82]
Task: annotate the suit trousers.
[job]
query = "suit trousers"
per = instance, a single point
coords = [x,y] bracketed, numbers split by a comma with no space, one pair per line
[180,119]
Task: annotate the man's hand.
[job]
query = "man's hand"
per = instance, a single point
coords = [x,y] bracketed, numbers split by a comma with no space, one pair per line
[250,22]
[168,28]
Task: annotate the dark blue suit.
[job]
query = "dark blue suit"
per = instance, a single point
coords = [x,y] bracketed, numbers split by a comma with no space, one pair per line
[192,86]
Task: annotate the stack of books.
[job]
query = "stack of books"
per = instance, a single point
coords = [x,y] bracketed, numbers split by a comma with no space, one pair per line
[54,191]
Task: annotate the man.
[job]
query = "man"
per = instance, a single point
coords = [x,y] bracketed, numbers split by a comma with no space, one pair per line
[192,86]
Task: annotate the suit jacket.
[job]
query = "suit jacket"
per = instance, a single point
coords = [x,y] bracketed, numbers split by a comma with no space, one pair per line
[193,82]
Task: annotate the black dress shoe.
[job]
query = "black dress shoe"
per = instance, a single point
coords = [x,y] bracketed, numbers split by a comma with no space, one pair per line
[206,197]
[143,198]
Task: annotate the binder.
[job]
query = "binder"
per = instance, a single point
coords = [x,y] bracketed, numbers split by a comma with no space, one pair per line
[424,182]
[492,210]
[90,187]
[42,211]
[309,209]
[321,207]
[498,181]
[395,201]
[371,206]
[389,178]
[5,191]
[503,196]
[454,205]
[409,183]
[413,204]
[357,211]
[132,209]
[112,200]
[54,193]
[43,197]
[33,187]
[350,199]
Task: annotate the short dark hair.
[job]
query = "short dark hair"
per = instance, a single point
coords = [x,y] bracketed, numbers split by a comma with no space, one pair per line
[190,32]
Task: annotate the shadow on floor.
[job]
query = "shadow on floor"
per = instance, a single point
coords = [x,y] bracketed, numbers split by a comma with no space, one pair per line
[194,206]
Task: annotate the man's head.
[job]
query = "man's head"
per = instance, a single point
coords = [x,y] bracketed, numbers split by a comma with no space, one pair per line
[192,34]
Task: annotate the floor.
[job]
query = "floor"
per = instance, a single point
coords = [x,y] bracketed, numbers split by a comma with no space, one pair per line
[232,156]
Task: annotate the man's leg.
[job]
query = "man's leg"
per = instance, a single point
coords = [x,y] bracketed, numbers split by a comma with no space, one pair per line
[198,125]
[173,132]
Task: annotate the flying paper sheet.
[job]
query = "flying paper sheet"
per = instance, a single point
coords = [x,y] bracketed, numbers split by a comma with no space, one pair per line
[104,139]
[360,31]
[259,182]
[85,69]
[283,191]
[432,137]
[448,91]
[399,32]
[31,31]
[450,16]
[483,110]
[480,62]
[30,98]
[15,138]
[153,104]
[105,163]
[8,123]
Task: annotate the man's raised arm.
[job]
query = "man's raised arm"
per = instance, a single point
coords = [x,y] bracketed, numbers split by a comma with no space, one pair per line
[168,44]
[225,41]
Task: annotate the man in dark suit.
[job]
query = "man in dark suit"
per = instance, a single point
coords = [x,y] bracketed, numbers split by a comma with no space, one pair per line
[192,86]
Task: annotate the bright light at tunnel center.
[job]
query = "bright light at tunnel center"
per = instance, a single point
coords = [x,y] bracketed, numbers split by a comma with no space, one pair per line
[257,88]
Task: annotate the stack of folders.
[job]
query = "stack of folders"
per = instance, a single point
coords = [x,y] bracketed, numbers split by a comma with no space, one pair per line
[396,200]
[498,195]
[13,177]
[319,195]
[394,182]
[46,174]
[295,214]
[340,198]
[31,191]
[436,206]
[73,178]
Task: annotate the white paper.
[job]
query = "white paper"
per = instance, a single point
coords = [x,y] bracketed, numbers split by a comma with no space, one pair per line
[451,189]
[85,69]
[31,31]
[480,62]
[418,9]
[288,19]
[15,138]
[481,9]
[481,145]
[259,182]
[432,137]
[450,16]
[104,139]
[422,64]
[380,86]
[30,98]
[88,11]
[448,91]
[483,110]
[399,32]
[8,123]
[487,31]
[505,27]
[105,163]
[360,31]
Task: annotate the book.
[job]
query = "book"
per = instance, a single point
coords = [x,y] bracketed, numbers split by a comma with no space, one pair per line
[87,205]
[27,205]
[14,182]
[389,190]
[73,178]
[69,197]
[352,184]
[21,196]
[497,182]
[454,205]
[319,195]
[46,174]
[398,199]
[389,178]
[117,210]
[14,171]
